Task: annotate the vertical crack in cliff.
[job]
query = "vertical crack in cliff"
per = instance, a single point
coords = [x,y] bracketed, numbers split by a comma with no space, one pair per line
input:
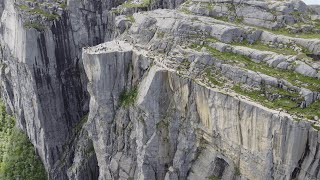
[297,170]
[239,122]
[316,172]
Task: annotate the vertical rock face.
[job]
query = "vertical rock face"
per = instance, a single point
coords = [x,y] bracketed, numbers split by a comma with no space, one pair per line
[161,95]
[43,81]
[42,76]
[107,79]
[181,129]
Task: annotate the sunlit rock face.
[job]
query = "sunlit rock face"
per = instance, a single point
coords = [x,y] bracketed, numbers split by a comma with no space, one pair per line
[180,128]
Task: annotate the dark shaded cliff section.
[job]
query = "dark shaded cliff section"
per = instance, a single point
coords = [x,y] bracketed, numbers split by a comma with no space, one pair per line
[44,86]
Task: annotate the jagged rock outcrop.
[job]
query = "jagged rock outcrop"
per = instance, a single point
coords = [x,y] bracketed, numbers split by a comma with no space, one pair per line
[213,89]
[165,101]
[181,129]
[43,82]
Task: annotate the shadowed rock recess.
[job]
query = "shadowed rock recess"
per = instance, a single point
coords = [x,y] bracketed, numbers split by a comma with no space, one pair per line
[204,89]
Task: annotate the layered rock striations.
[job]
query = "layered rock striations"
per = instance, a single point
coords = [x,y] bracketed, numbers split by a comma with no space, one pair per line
[208,104]
[43,81]
[211,89]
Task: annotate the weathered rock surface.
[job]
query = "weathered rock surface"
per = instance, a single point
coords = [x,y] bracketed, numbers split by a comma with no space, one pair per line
[43,81]
[171,94]
[183,126]
[179,128]
[269,14]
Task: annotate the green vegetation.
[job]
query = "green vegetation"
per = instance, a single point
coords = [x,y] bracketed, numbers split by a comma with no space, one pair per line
[211,77]
[285,102]
[38,11]
[213,178]
[222,18]
[83,120]
[310,111]
[285,50]
[44,13]
[63,5]
[264,47]
[293,77]
[130,4]
[23,7]
[194,19]
[185,62]
[163,124]
[127,98]
[17,155]
[285,32]
[306,35]
[115,11]
[280,31]
[260,96]
[237,171]
[185,10]
[130,18]
[208,5]
[35,25]
[296,14]
[238,20]
[160,35]
[317,23]
[220,55]
[315,127]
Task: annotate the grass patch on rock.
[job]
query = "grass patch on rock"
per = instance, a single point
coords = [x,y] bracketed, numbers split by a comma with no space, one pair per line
[34,25]
[80,124]
[264,47]
[128,97]
[285,103]
[213,178]
[130,18]
[212,78]
[38,11]
[130,4]
[291,76]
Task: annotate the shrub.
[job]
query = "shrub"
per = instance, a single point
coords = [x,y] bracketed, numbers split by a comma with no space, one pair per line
[35,25]
[127,98]
[18,159]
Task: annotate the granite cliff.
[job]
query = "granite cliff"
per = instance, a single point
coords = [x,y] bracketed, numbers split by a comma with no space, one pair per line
[222,89]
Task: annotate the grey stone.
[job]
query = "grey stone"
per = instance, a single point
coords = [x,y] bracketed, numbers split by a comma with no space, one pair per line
[179,126]
[305,69]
